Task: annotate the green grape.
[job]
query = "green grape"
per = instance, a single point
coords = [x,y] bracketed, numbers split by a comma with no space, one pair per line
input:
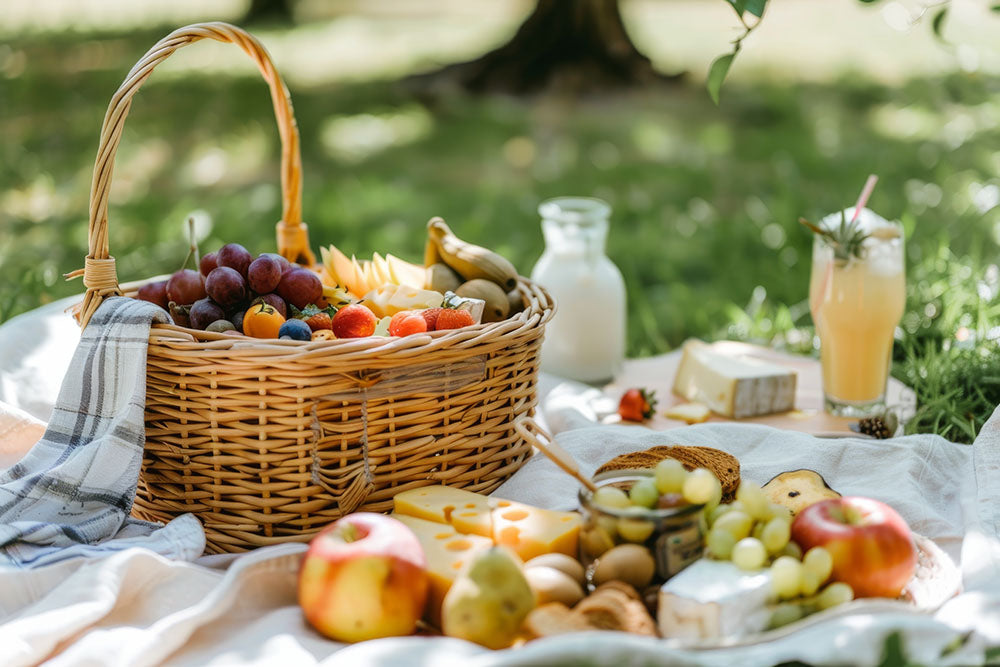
[737,505]
[758,529]
[611,497]
[781,511]
[749,554]
[792,549]
[775,535]
[836,593]
[670,476]
[786,577]
[716,498]
[635,530]
[810,582]
[818,561]
[644,492]
[713,515]
[699,487]
[735,522]
[720,543]
[785,614]
[756,503]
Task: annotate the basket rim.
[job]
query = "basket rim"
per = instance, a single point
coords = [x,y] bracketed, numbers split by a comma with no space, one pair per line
[535,315]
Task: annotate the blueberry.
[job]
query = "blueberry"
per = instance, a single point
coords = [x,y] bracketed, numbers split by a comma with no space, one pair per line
[296,330]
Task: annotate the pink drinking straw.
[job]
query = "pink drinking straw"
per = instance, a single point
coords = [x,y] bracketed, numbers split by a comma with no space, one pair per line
[866,192]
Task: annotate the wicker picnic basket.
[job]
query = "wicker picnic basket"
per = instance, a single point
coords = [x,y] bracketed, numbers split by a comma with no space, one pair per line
[268,441]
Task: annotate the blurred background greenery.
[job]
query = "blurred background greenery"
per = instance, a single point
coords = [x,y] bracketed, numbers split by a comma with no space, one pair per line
[705,198]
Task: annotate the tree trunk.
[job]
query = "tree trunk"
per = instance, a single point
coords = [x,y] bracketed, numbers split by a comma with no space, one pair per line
[570,44]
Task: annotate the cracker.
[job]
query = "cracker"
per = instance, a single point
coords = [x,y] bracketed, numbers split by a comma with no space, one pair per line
[555,618]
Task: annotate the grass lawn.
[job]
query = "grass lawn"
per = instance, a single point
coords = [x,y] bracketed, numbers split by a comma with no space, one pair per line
[705,199]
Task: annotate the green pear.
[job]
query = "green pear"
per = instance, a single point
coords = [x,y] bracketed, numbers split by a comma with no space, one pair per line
[488,601]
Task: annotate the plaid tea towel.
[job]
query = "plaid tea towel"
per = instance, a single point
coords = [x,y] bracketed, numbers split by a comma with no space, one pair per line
[72,493]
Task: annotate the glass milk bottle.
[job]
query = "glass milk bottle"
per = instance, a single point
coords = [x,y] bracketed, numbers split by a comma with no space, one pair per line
[585,340]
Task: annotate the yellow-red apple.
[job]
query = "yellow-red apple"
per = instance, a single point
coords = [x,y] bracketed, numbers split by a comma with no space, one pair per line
[871,545]
[363,577]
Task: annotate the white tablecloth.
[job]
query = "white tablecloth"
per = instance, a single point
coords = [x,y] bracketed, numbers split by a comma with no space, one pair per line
[137,608]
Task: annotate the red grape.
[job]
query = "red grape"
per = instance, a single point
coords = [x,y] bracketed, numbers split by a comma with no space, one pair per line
[155,293]
[286,266]
[185,287]
[264,274]
[226,287]
[236,257]
[179,314]
[300,287]
[204,312]
[208,262]
[276,302]
[237,319]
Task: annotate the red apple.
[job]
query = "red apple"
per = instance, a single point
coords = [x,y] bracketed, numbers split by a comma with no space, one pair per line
[363,577]
[871,544]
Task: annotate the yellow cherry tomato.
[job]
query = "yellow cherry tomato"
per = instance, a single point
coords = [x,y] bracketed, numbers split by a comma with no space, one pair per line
[262,321]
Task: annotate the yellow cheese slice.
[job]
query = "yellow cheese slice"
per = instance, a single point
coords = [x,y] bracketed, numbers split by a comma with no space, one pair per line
[446,552]
[532,531]
[468,512]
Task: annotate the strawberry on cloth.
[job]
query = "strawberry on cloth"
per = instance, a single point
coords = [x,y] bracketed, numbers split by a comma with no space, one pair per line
[72,493]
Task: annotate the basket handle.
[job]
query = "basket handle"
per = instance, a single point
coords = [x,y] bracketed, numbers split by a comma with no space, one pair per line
[99,274]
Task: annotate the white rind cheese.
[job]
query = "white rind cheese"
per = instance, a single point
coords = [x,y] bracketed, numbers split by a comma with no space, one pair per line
[733,386]
[712,599]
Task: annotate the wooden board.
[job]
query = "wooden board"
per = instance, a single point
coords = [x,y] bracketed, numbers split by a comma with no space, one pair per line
[657,373]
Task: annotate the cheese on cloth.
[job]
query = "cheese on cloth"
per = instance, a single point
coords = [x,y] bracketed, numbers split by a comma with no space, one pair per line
[468,512]
[712,599]
[447,552]
[532,531]
[528,531]
[732,385]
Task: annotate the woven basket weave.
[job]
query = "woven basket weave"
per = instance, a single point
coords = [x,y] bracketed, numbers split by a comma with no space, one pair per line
[269,441]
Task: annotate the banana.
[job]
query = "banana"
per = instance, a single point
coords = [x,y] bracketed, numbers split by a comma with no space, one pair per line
[470,261]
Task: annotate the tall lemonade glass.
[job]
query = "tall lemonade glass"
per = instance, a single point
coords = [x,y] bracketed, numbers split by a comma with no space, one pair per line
[857,296]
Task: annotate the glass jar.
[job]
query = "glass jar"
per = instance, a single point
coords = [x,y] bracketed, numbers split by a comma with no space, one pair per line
[674,536]
[585,340]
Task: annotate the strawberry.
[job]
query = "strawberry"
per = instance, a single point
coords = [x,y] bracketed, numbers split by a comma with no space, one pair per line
[316,317]
[430,315]
[452,318]
[354,321]
[407,322]
[637,405]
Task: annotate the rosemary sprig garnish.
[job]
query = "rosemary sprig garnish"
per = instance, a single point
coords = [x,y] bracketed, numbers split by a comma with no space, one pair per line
[847,239]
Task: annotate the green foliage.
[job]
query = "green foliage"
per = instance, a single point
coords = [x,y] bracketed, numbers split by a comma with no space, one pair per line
[717,74]
[705,199]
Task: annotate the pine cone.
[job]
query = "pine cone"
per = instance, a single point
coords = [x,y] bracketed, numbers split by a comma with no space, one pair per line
[880,427]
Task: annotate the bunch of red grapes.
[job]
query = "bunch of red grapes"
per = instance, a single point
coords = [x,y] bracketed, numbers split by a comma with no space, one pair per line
[230,281]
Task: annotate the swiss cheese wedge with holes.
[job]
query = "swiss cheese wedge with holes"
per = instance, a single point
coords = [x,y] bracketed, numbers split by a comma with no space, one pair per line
[468,512]
[528,531]
[447,551]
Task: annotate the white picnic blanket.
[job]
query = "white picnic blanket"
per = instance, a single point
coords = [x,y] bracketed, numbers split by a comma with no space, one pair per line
[139,608]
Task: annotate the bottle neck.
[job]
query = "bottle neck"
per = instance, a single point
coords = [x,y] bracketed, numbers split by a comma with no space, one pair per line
[575,241]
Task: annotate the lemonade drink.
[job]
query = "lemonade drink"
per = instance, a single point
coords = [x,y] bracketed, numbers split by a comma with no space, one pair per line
[856,304]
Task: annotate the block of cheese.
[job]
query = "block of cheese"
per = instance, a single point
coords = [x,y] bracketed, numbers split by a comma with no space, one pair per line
[532,531]
[711,599]
[526,530]
[447,551]
[731,385]
[468,512]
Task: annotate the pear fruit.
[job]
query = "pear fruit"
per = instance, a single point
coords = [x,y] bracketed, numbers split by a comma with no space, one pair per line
[488,601]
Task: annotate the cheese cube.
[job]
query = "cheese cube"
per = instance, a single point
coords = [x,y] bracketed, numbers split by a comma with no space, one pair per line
[733,386]
[532,531]
[468,512]
[446,552]
[711,599]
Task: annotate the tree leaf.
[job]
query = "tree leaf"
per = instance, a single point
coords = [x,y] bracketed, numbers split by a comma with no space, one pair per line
[756,7]
[937,23]
[995,8]
[739,6]
[717,74]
